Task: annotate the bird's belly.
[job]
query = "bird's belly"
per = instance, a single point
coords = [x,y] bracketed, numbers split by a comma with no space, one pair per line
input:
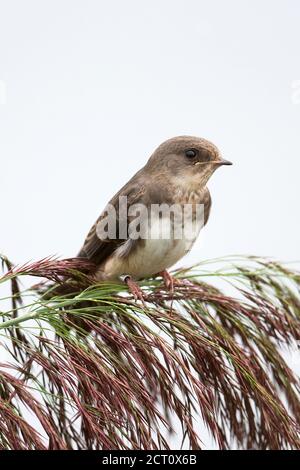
[157,255]
[149,257]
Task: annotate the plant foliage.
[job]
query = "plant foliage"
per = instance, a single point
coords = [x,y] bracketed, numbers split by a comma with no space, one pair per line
[87,367]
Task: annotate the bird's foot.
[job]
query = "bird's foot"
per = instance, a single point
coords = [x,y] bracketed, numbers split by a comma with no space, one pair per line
[169,281]
[134,289]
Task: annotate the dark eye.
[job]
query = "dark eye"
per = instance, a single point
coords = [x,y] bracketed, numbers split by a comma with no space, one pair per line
[191,153]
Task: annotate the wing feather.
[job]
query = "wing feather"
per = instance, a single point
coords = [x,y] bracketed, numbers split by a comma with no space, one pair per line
[98,249]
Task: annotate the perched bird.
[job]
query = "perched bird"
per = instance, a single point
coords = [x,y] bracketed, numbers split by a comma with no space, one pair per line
[175,174]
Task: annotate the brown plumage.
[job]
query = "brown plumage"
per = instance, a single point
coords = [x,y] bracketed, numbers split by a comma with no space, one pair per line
[176,173]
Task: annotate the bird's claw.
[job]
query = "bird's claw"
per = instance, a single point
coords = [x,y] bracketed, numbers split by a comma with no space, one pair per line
[135,289]
[169,281]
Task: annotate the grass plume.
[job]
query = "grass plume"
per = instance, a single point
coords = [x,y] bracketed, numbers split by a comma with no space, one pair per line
[96,370]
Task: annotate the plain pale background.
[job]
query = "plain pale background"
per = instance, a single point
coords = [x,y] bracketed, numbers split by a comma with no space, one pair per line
[90,88]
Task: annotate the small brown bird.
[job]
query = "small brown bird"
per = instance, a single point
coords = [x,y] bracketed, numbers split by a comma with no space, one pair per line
[175,174]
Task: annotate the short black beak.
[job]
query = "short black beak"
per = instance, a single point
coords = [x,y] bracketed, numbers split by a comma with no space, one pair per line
[224,162]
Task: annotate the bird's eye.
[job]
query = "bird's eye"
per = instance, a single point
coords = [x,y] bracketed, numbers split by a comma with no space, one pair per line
[191,153]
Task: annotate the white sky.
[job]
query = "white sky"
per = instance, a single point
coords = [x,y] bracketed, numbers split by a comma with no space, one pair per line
[88,89]
[92,88]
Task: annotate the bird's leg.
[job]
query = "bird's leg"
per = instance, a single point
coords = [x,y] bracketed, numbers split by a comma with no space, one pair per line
[169,281]
[134,288]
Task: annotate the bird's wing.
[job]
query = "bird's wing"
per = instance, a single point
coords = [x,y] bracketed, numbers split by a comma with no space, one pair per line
[96,248]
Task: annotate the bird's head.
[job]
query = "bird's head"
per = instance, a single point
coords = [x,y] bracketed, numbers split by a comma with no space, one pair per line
[188,159]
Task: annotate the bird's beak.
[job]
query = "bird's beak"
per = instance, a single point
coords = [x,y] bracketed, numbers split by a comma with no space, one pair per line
[220,162]
[224,162]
